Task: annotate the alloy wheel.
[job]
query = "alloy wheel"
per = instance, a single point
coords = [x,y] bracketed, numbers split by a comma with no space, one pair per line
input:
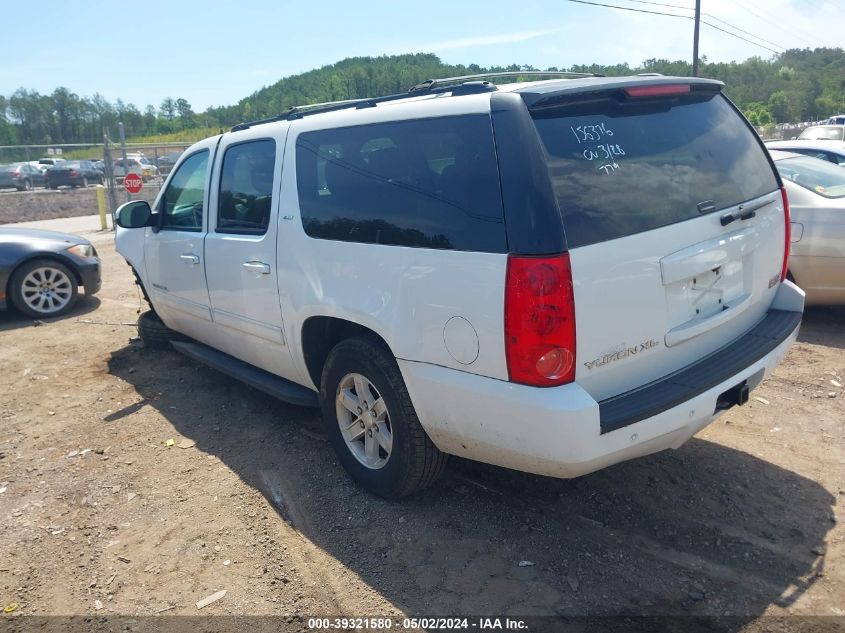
[47,290]
[364,421]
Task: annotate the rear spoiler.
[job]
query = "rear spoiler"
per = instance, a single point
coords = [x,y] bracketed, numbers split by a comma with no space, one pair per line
[553,93]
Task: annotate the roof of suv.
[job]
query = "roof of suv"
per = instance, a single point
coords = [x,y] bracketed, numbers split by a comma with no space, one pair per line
[531,92]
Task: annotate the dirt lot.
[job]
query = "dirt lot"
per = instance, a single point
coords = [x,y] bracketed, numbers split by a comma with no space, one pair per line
[101,517]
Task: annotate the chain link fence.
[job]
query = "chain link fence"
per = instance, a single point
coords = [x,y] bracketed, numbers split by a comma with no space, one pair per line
[151,161]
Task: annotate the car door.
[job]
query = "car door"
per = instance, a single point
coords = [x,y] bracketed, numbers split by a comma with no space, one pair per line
[173,250]
[240,251]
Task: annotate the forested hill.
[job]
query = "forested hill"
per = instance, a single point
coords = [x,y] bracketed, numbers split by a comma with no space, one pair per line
[797,85]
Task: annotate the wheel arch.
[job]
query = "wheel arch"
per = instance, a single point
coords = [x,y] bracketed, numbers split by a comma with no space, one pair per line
[321,333]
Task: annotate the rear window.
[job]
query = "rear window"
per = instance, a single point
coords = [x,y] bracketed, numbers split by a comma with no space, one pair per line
[824,178]
[823,132]
[623,168]
[430,183]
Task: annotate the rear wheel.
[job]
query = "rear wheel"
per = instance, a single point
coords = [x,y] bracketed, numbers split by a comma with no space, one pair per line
[372,424]
[25,186]
[154,333]
[43,288]
[85,181]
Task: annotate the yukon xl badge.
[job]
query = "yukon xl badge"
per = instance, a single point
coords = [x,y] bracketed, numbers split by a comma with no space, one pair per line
[622,353]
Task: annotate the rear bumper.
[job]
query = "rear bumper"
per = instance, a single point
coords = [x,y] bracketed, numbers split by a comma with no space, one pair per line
[558,431]
[58,181]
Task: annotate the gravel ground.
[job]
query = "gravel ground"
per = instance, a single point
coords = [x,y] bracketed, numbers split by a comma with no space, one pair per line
[101,517]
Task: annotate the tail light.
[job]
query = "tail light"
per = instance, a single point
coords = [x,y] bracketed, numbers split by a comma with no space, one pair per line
[787,231]
[73,172]
[540,320]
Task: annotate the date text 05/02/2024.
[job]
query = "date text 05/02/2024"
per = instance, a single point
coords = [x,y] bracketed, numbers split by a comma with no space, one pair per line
[429,624]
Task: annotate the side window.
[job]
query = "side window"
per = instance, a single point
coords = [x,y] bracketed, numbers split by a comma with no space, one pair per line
[430,183]
[246,188]
[182,204]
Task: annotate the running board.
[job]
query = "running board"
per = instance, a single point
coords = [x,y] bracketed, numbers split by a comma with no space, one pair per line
[253,376]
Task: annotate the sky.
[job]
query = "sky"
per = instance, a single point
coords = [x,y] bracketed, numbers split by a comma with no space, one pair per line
[216,53]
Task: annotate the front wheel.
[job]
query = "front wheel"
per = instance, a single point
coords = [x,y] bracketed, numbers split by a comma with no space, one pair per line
[43,288]
[371,421]
[154,333]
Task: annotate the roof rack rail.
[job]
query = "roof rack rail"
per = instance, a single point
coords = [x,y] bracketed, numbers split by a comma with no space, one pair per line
[465,84]
[431,84]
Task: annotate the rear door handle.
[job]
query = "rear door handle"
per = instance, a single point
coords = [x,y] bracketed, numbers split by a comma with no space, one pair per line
[190,258]
[257,267]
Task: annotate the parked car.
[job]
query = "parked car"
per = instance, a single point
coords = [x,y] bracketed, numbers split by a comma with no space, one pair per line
[549,276]
[47,163]
[141,166]
[20,176]
[816,192]
[168,159]
[823,133]
[831,151]
[41,271]
[837,119]
[74,173]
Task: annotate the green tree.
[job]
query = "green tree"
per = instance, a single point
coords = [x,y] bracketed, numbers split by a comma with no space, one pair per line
[167,109]
[183,109]
[779,106]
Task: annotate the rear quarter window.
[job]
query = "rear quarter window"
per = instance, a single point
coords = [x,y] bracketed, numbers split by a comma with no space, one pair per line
[430,183]
[621,168]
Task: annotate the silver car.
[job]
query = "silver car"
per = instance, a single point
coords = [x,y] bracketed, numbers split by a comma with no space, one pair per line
[816,191]
[824,133]
[831,151]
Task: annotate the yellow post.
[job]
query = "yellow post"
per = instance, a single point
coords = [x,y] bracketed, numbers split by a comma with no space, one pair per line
[101,203]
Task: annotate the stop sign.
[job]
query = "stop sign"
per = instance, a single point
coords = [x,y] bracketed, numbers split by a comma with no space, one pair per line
[133,183]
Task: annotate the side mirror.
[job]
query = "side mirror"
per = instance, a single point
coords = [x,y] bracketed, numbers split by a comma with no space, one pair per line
[133,215]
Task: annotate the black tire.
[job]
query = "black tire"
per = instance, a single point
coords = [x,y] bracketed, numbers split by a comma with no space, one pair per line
[414,461]
[85,182]
[16,288]
[26,186]
[154,333]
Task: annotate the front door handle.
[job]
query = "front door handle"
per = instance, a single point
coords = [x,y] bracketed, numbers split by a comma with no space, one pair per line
[190,258]
[257,267]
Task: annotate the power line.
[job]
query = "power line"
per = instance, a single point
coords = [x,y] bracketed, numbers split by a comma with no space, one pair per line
[673,15]
[662,4]
[614,6]
[792,32]
[718,28]
[711,16]
[736,28]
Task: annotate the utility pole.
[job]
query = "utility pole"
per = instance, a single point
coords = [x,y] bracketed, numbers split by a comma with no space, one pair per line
[695,38]
[123,152]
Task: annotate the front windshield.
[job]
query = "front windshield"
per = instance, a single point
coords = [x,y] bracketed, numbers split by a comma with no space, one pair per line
[823,178]
[824,132]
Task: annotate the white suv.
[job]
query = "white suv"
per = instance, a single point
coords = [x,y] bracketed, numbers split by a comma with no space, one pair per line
[551,276]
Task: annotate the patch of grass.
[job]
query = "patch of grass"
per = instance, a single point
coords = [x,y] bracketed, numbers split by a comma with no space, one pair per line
[184,136]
